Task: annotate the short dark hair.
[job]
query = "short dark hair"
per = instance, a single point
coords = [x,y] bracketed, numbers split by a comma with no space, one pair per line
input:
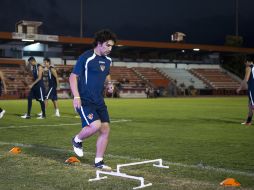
[31,59]
[47,59]
[103,36]
[249,58]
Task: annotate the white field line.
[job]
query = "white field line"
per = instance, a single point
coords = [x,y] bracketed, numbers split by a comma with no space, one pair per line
[25,126]
[61,124]
[209,168]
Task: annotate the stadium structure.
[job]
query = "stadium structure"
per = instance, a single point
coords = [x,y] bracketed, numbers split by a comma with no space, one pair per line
[140,69]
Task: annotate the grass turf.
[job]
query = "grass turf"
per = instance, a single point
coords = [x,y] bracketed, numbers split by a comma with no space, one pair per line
[201,140]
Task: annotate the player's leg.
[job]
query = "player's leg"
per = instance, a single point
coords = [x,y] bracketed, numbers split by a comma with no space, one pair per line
[85,133]
[45,104]
[29,105]
[90,125]
[101,146]
[103,138]
[47,97]
[2,112]
[250,114]
[53,96]
[43,110]
[40,96]
[46,101]
[55,103]
[89,130]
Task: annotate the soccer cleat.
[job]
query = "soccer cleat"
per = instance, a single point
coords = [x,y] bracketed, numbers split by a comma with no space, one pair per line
[246,123]
[39,114]
[102,166]
[77,147]
[41,117]
[2,113]
[25,116]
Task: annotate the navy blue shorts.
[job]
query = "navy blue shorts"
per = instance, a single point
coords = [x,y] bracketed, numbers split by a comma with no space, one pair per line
[251,98]
[52,94]
[90,113]
[37,92]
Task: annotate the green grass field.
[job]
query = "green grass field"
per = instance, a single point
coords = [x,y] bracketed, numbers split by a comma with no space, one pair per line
[200,139]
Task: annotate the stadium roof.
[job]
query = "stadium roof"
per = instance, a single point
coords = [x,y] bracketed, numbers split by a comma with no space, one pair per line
[77,45]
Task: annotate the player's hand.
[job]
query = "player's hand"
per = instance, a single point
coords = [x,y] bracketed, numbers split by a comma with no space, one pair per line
[76,103]
[110,88]
[30,86]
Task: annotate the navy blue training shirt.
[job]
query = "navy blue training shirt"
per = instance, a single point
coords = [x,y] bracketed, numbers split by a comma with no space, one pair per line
[36,73]
[92,71]
[51,78]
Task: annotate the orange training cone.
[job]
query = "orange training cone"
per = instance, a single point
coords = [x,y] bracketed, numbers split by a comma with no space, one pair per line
[230,182]
[15,150]
[72,160]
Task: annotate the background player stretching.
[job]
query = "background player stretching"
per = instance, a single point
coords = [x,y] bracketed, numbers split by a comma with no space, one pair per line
[37,89]
[53,83]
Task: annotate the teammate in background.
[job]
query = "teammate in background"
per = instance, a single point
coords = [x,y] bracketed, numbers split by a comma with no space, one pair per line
[37,89]
[87,83]
[53,83]
[2,84]
[248,82]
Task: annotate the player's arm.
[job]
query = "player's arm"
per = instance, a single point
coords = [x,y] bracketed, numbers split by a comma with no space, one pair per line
[3,81]
[245,80]
[40,74]
[73,79]
[53,71]
[108,79]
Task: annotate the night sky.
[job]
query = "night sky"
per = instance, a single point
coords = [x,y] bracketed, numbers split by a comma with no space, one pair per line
[203,21]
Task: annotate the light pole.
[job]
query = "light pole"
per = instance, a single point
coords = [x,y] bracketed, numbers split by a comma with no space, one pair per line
[236,18]
[81,18]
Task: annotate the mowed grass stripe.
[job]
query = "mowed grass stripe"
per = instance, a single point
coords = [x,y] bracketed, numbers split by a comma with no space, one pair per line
[131,159]
[55,125]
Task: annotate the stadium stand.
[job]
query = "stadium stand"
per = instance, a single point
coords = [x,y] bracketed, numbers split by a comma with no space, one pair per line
[221,81]
[217,78]
[183,76]
[152,76]
[17,77]
[127,82]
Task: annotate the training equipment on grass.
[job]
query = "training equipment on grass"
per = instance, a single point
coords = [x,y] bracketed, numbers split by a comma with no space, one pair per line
[230,182]
[15,150]
[119,174]
[141,179]
[144,162]
[72,160]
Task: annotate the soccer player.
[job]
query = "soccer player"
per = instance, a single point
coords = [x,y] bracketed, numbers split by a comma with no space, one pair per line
[248,80]
[2,84]
[87,84]
[53,83]
[37,89]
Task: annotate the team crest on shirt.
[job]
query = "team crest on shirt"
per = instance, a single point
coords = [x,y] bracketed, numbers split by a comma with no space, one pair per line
[102,67]
[90,116]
